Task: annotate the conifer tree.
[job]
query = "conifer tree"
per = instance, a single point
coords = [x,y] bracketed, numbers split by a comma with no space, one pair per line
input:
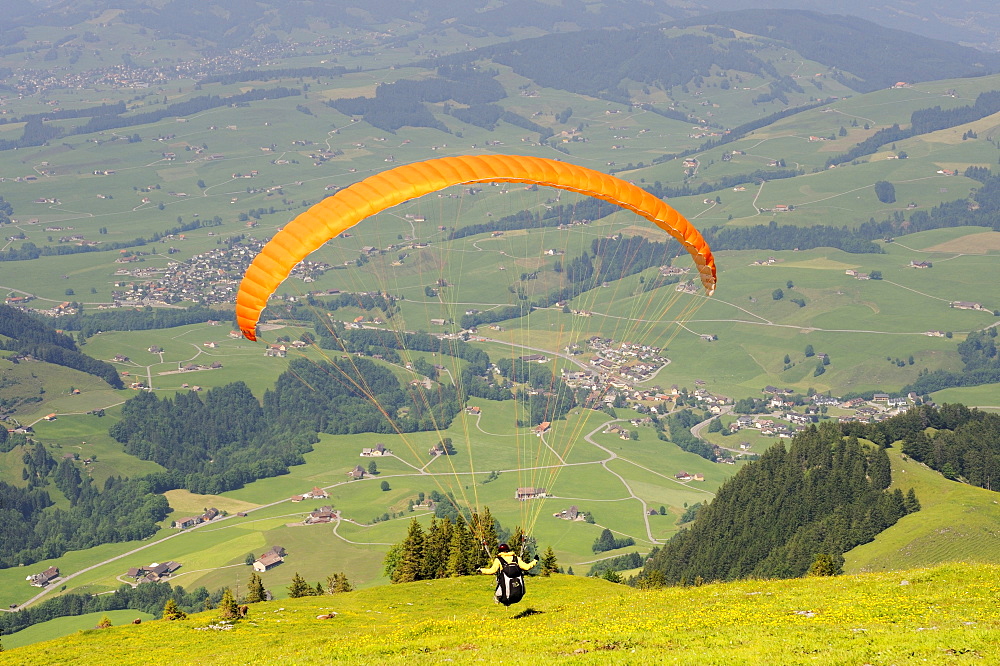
[171,611]
[228,610]
[912,503]
[299,587]
[549,564]
[437,549]
[255,589]
[411,558]
[318,591]
[484,529]
[462,550]
[338,583]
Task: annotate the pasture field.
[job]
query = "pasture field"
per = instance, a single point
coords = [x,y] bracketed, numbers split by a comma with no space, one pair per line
[588,621]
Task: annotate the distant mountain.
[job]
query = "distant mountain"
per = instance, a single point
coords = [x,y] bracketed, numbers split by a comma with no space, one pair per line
[862,55]
[228,22]
[970,22]
[878,56]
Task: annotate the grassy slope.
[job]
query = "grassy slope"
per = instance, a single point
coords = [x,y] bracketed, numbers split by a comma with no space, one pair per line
[956,521]
[946,614]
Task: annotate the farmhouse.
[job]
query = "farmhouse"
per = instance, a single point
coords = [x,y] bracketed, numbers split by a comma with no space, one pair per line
[324,514]
[571,513]
[529,493]
[357,473]
[378,450]
[966,305]
[44,578]
[266,561]
[541,428]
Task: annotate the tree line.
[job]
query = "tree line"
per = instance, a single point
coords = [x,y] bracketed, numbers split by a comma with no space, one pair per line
[148,598]
[36,133]
[131,319]
[982,366]
[923,121]
[29,250]
[961,443]
[825,494]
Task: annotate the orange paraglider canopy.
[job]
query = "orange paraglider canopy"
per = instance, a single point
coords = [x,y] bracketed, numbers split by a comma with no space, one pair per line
[332,216]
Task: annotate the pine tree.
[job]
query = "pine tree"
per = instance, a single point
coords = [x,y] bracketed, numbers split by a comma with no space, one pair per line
[411,558]
[318,591]
[228,610]
[255,589]
[171,611]
[484,529]
[462,550]
[299,587]
[569,572]
[912,503]
[549,564]
[338,583]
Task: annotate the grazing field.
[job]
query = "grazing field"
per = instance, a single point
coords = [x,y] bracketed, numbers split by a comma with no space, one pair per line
[588,621]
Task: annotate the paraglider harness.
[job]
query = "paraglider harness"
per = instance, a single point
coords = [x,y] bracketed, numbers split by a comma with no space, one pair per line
[510,579]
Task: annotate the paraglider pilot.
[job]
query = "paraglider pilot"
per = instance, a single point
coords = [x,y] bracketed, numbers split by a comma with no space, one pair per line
[509,568]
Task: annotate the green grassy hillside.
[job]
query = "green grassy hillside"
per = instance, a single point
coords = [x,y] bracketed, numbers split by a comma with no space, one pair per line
[955,522]
[946,614]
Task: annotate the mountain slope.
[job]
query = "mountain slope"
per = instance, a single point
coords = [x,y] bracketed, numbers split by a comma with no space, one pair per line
[849,619]
[955,521]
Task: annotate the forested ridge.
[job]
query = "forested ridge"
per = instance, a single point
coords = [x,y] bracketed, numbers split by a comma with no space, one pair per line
[124,510]
[351,395]
[823,495]
[853,47]
[213,444]
[28,335]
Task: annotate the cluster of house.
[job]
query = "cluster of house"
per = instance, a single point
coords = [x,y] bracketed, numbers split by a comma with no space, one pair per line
[153,573]
[625,363]
[315,493]
[684,476]
[126,76]
[191,521]
[273,557]
[881,406]
[769,427]
[208,278]
[44,578]
[277,350]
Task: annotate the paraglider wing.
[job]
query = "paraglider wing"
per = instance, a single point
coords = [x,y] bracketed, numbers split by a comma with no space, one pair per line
[332,216]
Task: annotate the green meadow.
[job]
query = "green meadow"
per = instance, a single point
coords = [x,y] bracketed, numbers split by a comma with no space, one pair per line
[943,614]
